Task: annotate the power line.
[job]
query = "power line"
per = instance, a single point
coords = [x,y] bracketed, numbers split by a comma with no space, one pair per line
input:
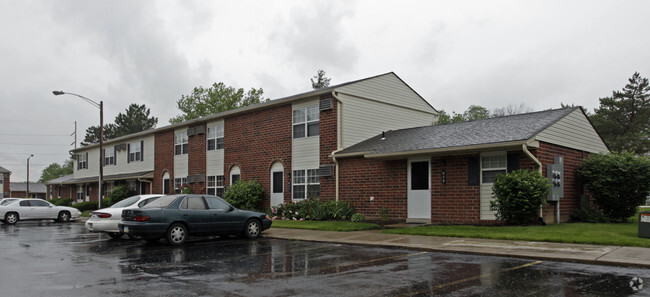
[35,154]
[33,121]
[23,134]
[36,144]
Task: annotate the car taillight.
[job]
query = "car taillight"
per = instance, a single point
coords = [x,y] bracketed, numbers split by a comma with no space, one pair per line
[102,215]
[139,218]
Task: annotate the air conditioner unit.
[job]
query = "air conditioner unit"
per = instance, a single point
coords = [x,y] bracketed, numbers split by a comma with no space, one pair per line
[190,179]
[325,170]
[325,104]
[199,129]
[190,131]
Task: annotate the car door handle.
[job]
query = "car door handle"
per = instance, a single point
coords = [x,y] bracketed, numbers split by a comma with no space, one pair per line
[185,215]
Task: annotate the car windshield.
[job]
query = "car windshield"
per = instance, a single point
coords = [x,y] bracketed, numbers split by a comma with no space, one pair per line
[162,202]
[126,202]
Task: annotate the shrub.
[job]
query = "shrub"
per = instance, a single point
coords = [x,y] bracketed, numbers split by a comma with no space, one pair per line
[518,195]
[342,211]
[313,209]
[357,217]
[83,206]
[118,193]
[62,201]
[246,195]
[588,215]
[618,183]
[383,213]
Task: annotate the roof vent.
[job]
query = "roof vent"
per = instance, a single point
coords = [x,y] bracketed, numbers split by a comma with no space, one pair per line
[325,104]
[383,135]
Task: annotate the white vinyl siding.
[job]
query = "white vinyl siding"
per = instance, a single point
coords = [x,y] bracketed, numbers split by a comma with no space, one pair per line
[364,118]
[491,164]
[215,158]
[388,88]
[122,166]
[181,161]
[305,150]
[574,131]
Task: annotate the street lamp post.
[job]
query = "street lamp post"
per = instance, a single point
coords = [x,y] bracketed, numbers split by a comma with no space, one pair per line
[99,105]
[27,191]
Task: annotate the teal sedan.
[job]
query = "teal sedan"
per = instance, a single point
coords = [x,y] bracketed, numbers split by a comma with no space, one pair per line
[176,217]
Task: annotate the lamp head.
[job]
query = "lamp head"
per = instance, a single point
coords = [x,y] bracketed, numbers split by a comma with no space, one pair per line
[57,93]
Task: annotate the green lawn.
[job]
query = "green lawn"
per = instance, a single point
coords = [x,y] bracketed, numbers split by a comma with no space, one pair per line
[622,234]
[325,225]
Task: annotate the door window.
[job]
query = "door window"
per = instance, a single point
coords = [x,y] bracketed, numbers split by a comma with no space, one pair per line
[419,175]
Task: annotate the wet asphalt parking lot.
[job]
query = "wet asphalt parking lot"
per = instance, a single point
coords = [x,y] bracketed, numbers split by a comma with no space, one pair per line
[52,259]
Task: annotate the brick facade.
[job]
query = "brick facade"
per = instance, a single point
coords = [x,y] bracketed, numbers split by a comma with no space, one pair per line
[328,144]
[254,141]
[454,202]
[5,184]
[164,160]
[196,149]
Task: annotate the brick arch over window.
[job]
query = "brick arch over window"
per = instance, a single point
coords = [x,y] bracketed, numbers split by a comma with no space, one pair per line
[234,174]
[166,178]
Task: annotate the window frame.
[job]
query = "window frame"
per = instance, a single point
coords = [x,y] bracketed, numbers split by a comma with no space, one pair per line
[82,161]
[309,118]
[215,185]
[305,184]
[215,136]
[178,184]
[497,169]
[180,143]
[133,154]
[109,156]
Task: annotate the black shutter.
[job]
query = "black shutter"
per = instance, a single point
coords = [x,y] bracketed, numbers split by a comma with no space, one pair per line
[141,150]
[114,157]
[513,161]
[128,153]
[473,171]
[86,160]
[103,157]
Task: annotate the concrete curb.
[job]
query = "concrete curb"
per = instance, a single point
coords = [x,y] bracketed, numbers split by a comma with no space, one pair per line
[582,253]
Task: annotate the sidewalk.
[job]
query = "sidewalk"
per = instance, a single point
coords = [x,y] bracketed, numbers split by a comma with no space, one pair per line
[590,254]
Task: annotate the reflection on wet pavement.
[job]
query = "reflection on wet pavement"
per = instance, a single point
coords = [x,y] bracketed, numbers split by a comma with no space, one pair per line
[64,260]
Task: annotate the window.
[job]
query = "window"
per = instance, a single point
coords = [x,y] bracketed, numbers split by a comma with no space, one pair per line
[215,138]
[306,184]
[216,203]
[135,151]
[235,174]
[306,122]
[216,185]
[491,166]
[180,143]
[109,156]
[178,183]
[82,161]
[80,193]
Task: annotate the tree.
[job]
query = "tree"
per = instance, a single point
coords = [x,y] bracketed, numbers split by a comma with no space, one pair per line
[475,112]
[511,110]
[135,120]
[215,99]
[623,120]
[445,118]
[55,170]
[618,183]
[321,81]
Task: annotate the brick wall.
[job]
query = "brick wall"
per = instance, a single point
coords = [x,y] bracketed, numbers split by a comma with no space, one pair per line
[454,202]
[384,180]
[196,149]
[66,191]
[328,143]
[254,141]
[573,190]
[164,160]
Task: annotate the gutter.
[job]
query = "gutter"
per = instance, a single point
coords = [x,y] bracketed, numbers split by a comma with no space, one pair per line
[524,147]
[150,184]
[340,146]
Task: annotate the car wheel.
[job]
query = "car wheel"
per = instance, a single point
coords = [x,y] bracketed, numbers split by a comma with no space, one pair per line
[64,217]
[253,229]
[151,240]
[114,235]
[11,218]
[177,234]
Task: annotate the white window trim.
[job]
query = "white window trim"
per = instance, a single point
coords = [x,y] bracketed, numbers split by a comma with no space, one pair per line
[109,156]
[307,182]
[305,121]
[180,140]
[178,183]
[82,161]
[215,133]
[216,186]
[492,154]
[136,153]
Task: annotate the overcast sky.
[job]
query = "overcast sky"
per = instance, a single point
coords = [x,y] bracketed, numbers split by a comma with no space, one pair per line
[453,53]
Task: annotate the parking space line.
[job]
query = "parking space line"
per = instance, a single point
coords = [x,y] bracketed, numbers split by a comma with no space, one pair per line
[460,281]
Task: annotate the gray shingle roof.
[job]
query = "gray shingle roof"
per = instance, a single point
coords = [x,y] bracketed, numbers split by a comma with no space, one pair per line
[4,170]
[505,129]
[22,187]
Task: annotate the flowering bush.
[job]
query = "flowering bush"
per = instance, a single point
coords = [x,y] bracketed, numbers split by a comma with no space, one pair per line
[312,209]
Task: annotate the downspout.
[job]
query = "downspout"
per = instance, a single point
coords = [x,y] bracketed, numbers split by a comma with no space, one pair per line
[339,107]
[524,147]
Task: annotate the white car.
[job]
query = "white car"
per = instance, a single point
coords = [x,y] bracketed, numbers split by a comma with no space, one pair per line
[36,209]
[106,219]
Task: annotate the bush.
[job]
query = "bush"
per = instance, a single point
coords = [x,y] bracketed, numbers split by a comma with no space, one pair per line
[62,201]
[83,206]
[313,209]
[618,183]
[588,215]
[246,195]
[357,217]
[118,193]
[518,195]
[342,211]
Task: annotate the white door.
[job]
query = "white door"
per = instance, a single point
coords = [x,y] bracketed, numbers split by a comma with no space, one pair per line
[277,184]
[419,189]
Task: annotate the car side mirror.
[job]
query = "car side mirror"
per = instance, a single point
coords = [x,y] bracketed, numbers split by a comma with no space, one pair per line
[231,208]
